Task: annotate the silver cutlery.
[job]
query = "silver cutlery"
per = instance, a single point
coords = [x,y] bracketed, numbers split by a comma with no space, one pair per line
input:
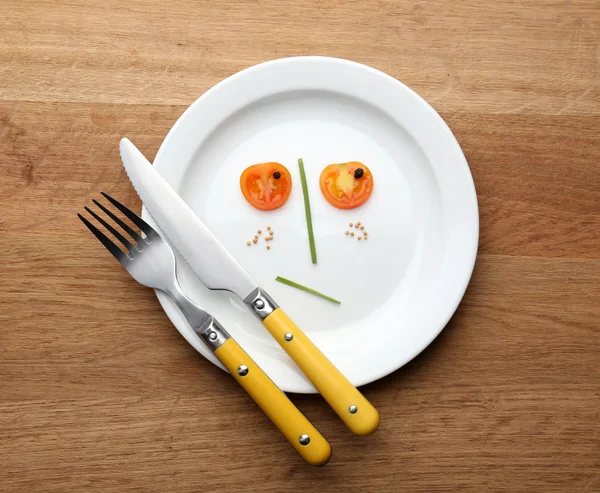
[151,262]
[217,269]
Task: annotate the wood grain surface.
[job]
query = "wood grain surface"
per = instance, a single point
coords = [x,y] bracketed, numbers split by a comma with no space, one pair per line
[99,393]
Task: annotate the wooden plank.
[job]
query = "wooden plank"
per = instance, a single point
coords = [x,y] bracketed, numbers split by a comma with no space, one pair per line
[503,57]
[494,438]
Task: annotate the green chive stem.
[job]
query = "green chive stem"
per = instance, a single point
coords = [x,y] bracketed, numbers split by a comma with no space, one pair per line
[311,236]
[293,284]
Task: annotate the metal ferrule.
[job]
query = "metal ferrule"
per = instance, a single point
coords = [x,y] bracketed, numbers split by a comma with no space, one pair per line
[261,303]
[212,334]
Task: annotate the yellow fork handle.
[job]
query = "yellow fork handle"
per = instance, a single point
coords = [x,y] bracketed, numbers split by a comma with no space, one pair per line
[315,450]
[350,405]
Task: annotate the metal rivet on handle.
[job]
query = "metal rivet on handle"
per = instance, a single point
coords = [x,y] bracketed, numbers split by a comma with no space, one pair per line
[353,409]
[260,304]
[243,370]
[289,336]
[304,439]
[213,336]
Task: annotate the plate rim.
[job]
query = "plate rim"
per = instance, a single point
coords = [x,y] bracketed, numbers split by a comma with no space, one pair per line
[460,291]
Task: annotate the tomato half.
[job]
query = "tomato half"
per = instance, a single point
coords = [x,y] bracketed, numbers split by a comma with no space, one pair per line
[346,185]
[266,186]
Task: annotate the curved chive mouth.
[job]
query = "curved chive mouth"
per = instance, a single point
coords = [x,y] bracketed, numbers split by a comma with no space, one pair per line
[293,284]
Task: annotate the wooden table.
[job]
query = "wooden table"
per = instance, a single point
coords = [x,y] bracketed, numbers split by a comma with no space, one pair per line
[99,393]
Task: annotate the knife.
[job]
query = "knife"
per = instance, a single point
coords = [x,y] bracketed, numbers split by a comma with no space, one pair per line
[217,269]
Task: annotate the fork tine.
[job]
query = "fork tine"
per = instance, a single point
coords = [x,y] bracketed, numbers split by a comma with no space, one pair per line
[110,246]
[121,223]
[126,243]
[135,219]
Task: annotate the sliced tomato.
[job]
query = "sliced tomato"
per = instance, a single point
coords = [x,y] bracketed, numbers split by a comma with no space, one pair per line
[266,186]
[346,185]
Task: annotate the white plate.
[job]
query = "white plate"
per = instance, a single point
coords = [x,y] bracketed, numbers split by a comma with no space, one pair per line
[399,288]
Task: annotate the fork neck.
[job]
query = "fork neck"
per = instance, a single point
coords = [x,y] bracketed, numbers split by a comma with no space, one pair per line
[195,315]
[204,325]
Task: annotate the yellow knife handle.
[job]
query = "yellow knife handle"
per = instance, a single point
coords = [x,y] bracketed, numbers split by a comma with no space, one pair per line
[300,432]
[350,405]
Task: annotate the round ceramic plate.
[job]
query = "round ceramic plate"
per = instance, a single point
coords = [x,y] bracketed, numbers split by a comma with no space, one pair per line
[398,289]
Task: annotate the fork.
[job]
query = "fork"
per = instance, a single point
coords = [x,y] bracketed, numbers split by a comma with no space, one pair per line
[150,260]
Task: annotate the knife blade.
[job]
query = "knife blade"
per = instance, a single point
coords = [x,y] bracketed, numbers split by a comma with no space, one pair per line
[217,269]
[209,260]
